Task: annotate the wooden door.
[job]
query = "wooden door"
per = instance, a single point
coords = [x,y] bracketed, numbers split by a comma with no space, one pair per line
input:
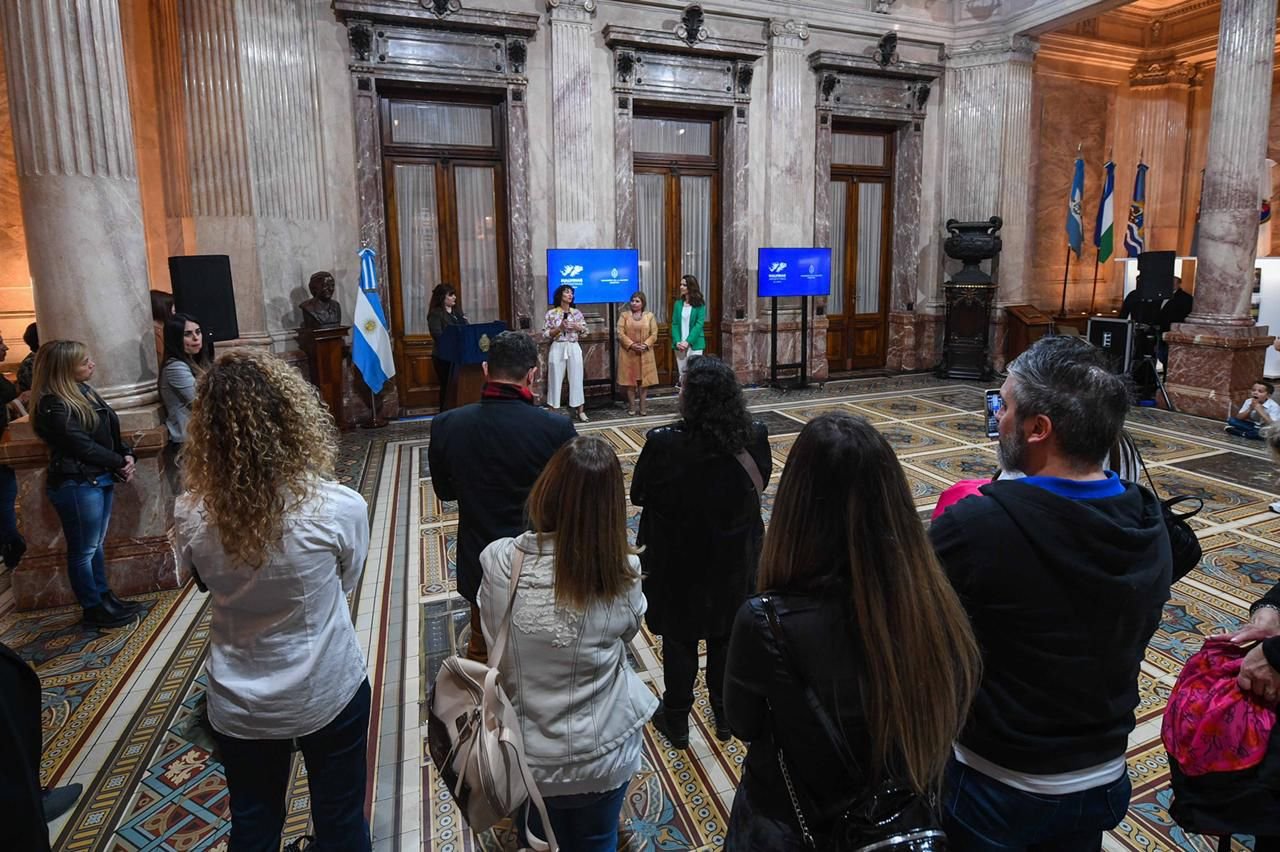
[861,196]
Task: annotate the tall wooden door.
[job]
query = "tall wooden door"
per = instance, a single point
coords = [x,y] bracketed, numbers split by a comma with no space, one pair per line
[446,223]
[677,174]
[861,197]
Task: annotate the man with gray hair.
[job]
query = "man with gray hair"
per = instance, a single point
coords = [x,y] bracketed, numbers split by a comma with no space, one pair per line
[1064,574]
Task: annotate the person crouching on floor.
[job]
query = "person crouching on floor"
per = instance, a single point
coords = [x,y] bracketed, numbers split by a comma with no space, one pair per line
[1258,411]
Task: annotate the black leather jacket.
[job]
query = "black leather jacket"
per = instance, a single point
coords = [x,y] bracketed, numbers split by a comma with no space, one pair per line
[74,452]
[766,707]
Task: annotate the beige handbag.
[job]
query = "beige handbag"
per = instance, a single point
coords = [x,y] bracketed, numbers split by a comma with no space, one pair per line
[474,739]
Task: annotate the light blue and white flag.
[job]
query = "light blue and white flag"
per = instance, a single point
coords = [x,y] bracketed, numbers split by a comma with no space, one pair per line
[371,343]
[1135,234]
[1075,210]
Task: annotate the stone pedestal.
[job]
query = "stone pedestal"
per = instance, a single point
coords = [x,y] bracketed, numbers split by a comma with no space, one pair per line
[139,555]
[1212,368]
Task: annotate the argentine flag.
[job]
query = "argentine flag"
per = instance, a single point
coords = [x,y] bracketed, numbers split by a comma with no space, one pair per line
[1104,230]
[371,344]
[1075,210]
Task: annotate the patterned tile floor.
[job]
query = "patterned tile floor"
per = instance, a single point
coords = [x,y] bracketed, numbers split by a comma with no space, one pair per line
[117,703]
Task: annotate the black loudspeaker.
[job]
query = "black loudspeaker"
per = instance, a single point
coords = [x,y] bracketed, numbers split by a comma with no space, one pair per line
[1115,338]
[202,288]
[1155,275]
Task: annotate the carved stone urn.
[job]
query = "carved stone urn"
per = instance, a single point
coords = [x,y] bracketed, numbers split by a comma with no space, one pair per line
[971,243]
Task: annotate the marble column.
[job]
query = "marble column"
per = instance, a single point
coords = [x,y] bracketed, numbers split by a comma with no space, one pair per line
[78,181]
[1219,351]
[77,176]
[789,219]
[989,161]
[574,190]
[523,298]
[1155,127]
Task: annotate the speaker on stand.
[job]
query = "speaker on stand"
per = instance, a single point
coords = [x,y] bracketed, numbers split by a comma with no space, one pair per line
[202,288]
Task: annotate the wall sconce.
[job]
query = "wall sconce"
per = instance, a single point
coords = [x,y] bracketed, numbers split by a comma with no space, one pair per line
[887,50]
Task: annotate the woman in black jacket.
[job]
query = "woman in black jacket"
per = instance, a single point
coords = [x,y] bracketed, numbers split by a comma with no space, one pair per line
[869,624]
[86,458]
[701,531]
[443,311]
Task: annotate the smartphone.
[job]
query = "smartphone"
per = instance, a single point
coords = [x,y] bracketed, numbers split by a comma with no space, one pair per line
[994,402]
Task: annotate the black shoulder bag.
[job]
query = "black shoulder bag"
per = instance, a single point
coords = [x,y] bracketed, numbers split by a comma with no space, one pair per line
[1183,542]
[891,818]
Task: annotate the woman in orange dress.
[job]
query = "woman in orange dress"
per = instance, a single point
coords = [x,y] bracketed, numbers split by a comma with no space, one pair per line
[637,334]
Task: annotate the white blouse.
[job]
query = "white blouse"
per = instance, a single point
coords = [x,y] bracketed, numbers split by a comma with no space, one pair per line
[284,659]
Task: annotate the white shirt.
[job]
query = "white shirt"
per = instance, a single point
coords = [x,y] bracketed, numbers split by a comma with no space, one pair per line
[1272,407]
[685,313]
[284,660]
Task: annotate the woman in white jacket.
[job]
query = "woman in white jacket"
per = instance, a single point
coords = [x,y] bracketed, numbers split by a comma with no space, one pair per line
[582,709]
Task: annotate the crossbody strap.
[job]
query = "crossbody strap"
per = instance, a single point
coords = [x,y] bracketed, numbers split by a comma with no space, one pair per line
[753,470]
[500,641]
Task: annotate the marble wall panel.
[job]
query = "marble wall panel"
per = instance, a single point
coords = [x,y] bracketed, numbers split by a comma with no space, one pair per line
[1069,113]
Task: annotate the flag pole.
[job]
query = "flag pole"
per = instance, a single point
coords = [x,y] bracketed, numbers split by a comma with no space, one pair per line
[376,421]
[1062,312]
[1093,300]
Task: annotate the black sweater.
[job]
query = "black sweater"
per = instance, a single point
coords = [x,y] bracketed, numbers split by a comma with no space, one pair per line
[1271,647]
[1063,595]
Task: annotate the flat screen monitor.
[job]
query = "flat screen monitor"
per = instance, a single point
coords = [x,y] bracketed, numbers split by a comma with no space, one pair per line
[597,276]
[795,272]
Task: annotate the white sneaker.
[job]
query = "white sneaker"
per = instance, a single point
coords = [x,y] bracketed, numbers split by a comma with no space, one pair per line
[1275,507]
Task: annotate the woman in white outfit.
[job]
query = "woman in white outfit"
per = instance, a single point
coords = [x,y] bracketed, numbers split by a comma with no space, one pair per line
[687,318]
[563,325]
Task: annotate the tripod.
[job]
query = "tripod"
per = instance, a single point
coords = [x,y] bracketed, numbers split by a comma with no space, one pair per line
[1146,360]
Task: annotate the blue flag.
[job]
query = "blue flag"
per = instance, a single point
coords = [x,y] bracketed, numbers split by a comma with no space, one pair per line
[370,342]
[1075,210]
[1135,233]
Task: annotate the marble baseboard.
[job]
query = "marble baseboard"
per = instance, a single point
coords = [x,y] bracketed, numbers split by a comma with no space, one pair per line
[1211,370]
[914,341]
[134,566]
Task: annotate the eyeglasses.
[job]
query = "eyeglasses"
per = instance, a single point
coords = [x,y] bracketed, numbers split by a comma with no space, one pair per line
[193,334]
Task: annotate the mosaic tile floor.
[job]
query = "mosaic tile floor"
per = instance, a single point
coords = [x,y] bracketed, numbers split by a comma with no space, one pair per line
[116,703]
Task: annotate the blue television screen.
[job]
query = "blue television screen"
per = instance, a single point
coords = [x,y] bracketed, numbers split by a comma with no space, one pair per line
[795,272]
[597,276]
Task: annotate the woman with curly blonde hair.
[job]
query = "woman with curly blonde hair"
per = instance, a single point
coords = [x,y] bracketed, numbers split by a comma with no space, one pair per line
[279,545]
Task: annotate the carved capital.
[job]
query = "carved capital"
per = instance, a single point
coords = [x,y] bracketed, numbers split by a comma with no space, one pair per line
[990,52]
[571,9]
[788,33]
[1163,74]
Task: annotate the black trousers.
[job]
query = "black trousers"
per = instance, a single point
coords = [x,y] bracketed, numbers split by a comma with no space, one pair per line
[680,670]
[443,371]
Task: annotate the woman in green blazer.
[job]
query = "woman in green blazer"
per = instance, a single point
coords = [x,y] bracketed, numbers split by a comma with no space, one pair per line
[687,317]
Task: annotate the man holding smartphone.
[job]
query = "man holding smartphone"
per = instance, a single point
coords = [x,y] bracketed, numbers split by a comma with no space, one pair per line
[1064,573]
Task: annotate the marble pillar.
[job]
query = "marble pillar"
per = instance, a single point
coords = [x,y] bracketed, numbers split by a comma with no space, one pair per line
[525,303]
[789,218]
[737,285]
[988,137]
[78,181]
[77,176]
[574,184]
[1219,351]
[1156,109]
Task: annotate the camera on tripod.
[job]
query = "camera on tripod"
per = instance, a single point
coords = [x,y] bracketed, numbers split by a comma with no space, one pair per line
[1131,342]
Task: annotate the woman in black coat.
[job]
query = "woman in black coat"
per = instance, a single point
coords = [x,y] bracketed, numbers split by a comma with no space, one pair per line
[701,531]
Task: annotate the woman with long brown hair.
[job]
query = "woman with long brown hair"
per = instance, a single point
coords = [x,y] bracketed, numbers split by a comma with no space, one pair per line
[280,545]
[582,709]
[868,623]
[687,318]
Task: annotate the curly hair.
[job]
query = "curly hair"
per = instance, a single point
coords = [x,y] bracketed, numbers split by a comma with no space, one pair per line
[712,405]
[257,442]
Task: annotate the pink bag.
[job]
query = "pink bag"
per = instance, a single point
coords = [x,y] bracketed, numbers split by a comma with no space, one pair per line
[962,489]
[1210,725]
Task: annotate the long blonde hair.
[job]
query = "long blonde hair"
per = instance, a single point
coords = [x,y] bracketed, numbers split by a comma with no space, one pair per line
[579,503]
[257,442]
[844,519]
[54,374]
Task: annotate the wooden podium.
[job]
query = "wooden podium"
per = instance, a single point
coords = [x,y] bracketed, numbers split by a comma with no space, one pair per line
[325,348]
[465,347]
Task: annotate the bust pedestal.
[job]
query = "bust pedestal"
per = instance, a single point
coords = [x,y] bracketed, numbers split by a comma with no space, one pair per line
[325,348]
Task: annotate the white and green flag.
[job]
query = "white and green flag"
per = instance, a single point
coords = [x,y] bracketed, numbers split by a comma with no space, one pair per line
[1104,230]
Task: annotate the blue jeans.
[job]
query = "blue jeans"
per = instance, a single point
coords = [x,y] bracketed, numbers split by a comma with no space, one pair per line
[1247,428]
[980,813]
[582,823]
[8,497]
[258,780]
[85,510]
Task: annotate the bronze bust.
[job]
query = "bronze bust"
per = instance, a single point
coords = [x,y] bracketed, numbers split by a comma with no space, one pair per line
[321,310]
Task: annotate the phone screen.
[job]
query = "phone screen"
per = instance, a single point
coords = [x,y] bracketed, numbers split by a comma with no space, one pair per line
[994,402]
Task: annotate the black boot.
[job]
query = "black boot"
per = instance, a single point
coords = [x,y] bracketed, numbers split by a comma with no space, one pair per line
[11,551]
[101,616]
[723,734]
[123,606]
[673,724]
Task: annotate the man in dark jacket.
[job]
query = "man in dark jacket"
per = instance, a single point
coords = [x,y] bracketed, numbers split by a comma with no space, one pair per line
[1064,575]
[487,456]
